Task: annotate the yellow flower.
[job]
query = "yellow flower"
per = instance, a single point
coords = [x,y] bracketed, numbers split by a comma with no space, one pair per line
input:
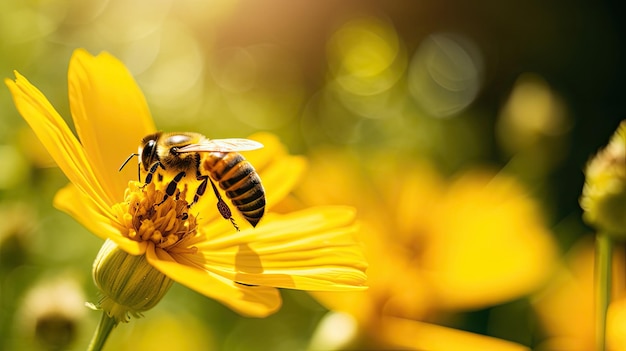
[312,249]
[434,247]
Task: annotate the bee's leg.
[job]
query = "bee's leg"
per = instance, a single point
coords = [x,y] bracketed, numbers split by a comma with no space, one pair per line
[222,207]
[151,172]
[201,188]
[171,187]
[203,180]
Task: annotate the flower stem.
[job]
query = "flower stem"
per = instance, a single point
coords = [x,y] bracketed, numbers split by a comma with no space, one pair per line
[604,257]
[101,335]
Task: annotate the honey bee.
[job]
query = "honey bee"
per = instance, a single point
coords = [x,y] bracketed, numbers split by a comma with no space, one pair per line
[180,154]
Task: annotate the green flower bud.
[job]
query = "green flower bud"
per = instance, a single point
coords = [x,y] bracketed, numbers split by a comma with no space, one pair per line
[604,193]
[129,284]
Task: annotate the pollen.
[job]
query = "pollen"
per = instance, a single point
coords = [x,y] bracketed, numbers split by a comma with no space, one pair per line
[147,214]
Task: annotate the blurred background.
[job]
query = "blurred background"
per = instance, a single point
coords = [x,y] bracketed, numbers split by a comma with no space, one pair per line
[460,131]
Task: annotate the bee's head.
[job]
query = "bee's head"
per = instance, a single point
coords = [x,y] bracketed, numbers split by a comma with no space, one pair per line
[148,150]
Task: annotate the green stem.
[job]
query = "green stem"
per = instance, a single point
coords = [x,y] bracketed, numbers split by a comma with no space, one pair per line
[604,257]
[101,335]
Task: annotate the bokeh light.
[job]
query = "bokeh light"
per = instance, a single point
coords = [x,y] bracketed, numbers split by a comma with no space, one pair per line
[366,56]
[446,74]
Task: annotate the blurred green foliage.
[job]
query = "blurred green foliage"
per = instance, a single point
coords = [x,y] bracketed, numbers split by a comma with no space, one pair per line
[441,80]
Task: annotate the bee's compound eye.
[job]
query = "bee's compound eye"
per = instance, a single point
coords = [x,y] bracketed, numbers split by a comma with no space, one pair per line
[147,153]
[178,139]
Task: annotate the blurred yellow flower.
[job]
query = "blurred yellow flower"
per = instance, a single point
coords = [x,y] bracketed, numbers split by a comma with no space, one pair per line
[312,249]
[433,246]
[566,306]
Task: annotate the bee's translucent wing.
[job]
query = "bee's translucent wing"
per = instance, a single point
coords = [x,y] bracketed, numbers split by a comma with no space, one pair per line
[222,145]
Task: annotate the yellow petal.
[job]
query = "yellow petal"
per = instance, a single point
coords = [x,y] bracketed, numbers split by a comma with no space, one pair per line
[616,325]
[313,249]
[110,115]
[250,301]
[414,335]
[73,202]
[280,177]
[55,135]
[488,243]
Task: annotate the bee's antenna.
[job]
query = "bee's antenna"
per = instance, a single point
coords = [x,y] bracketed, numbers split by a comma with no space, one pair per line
[125,162]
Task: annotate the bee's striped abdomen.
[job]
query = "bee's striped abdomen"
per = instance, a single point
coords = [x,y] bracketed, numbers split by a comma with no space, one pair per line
[241,183]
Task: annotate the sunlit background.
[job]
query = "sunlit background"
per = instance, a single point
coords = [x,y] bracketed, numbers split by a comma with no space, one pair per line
[458,129]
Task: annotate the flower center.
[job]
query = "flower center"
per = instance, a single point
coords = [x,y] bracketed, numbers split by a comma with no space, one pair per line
[146,214]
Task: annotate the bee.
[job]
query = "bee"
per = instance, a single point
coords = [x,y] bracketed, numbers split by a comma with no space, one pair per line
[181,154]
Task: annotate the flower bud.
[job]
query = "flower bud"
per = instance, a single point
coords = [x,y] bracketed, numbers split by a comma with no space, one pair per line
[604,193]
[129,284]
